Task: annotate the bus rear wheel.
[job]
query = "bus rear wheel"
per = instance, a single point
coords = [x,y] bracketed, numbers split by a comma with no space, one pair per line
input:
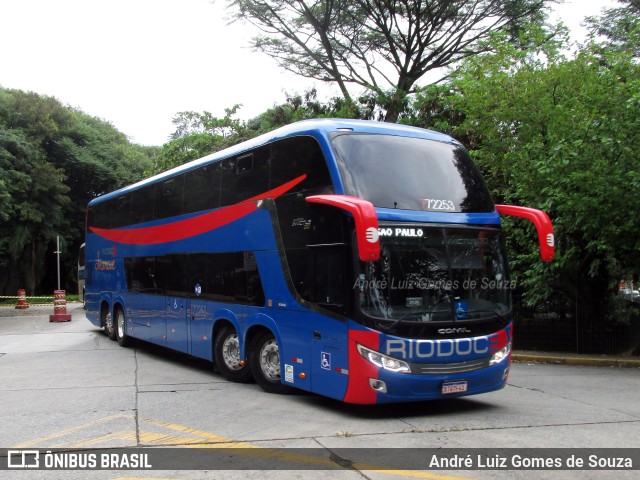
[264,358]
[226,352]
[120,324]
[107,322]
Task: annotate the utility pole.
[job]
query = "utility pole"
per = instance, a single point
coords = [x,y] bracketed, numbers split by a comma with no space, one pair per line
[57,252]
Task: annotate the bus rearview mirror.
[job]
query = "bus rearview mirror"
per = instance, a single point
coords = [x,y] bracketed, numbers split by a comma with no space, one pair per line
[543,225]
[364,215]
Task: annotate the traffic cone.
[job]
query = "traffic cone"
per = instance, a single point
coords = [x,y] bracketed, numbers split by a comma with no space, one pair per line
[60,307]
[22,300]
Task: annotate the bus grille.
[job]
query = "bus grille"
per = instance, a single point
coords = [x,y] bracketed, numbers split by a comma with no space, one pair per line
[444,368]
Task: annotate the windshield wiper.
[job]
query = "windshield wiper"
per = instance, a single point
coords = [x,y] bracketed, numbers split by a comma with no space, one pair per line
[397,322]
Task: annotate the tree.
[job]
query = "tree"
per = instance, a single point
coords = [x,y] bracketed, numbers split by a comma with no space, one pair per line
[33,197]
[199,134]
[561,135]
[53,161]
[383,46]
[619,26]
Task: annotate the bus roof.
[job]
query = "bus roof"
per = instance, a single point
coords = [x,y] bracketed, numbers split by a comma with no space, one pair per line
[318,128]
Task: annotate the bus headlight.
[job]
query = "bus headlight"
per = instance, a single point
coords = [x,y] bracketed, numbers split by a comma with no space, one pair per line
[383,361]
[500,355]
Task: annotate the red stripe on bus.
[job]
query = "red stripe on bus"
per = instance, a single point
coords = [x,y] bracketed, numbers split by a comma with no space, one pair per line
[190,227]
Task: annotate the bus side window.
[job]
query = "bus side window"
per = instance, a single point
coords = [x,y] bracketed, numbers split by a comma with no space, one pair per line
[245,176]
[173,271]
[141,275]
[121,212]
[297,156]
[317,275]
[142,205]
[229,193]
[329,271]
[202,189]
[168,198]
[100,215]
[197,274]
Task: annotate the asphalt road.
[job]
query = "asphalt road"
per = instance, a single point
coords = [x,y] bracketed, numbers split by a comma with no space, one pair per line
[65,385]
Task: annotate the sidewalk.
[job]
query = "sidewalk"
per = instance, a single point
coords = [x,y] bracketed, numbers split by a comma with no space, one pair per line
[524,356]
[34,310]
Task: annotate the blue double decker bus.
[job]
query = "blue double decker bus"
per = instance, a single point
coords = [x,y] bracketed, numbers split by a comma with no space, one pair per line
[358,260]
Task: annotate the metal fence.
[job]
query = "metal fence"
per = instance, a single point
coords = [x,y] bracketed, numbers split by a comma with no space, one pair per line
[565,325]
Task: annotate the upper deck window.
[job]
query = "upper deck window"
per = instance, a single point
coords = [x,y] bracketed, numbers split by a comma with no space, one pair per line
[410,173]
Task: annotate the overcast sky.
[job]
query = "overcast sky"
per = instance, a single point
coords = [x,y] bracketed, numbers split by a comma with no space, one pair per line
[136,63]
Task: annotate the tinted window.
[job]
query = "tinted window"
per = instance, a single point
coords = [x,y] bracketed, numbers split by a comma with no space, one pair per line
[230,277]
[141,275]
[297,156]
[318,273]
[168,197]
[172,273]
[411,173]
[121,211]
[315,239]
[245,176]
[303,224]
[225,277]
[99,216]
[202,189]
[142,205]
[227,182]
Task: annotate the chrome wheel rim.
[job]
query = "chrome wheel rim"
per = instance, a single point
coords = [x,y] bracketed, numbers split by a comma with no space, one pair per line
[108,324]
[231,352]
[121,325]
[270,360]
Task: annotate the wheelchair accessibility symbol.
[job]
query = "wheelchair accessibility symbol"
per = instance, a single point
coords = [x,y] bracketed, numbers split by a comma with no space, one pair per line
[326,361]
[462,310]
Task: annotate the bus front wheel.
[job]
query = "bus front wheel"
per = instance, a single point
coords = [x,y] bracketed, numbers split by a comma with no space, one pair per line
[264,359]
[226,352]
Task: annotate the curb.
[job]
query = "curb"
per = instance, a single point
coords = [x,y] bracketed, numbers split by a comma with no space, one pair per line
[575,359]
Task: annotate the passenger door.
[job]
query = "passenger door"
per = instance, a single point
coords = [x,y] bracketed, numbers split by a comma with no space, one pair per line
[173,270]
[177,323]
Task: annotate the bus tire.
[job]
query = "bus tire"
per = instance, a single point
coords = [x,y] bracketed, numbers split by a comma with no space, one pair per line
[264,358]
[120,324]
[107,322]
[226,352]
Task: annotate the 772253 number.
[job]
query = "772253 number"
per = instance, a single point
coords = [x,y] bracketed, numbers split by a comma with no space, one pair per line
[437,204]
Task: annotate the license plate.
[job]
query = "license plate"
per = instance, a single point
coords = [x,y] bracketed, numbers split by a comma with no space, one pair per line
[454,387]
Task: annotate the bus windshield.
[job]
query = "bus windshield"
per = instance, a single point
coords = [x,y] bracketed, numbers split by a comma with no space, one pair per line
[436,274]
[410,173]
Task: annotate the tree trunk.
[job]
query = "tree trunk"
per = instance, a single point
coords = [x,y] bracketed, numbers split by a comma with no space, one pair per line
[396,103]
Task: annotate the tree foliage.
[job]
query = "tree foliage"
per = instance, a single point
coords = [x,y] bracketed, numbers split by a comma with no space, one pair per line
[199,134]
[619,26]
[53,161]
[558,134]
[383,46]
